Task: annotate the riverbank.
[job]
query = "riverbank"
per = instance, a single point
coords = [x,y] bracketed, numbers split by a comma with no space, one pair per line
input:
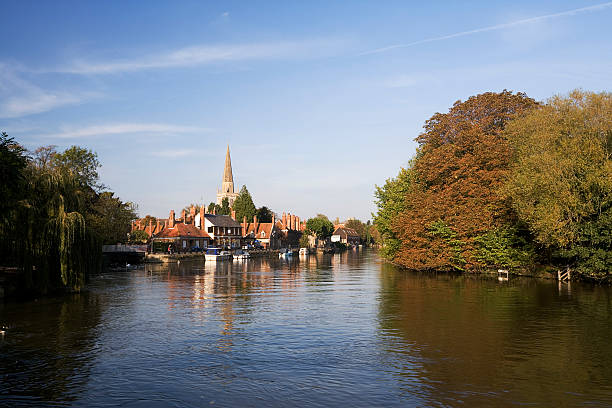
[199,256]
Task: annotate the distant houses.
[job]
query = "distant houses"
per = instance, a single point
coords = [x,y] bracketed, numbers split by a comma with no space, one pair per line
[345,235]
[189,233]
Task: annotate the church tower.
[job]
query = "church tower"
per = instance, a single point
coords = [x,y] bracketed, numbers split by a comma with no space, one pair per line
[227,185]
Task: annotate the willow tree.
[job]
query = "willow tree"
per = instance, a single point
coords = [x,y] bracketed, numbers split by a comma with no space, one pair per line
[43,231]
[561,180]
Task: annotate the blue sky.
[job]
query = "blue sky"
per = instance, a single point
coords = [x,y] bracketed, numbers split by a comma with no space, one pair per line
[319,101]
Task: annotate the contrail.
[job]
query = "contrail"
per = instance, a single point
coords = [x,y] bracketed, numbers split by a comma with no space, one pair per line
[493,28]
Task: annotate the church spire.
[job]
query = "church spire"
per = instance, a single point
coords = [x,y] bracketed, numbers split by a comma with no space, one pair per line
[227,185]
[228,177]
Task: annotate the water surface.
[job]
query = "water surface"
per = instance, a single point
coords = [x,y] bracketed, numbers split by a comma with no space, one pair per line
[318,331]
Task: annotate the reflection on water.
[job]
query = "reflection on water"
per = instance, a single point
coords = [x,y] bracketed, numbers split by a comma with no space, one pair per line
[317,330]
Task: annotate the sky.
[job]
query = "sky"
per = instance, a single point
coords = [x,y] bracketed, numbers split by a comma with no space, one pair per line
[319,101]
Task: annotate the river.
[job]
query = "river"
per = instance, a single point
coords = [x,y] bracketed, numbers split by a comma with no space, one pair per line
[327,330]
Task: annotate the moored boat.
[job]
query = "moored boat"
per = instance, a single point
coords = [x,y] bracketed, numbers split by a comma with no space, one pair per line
[216,254]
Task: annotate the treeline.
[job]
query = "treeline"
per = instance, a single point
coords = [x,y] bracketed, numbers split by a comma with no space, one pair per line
[504,181]
[55,216]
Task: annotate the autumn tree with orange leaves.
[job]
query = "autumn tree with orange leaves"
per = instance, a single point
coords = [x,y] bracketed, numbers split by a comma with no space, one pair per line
[457,217]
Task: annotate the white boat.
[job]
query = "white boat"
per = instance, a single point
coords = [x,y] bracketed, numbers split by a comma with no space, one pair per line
[216,254]
[303,251]
[242,255]
[286,253]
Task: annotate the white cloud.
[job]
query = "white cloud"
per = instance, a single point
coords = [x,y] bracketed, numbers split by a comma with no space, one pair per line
[22,98]
[123,128]
[597,7]
[225,14]
[205,54]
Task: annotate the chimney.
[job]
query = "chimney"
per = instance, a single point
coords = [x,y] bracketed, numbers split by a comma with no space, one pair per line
[192,213]
[291,221]
[171,220]
[158,227]
[202,216]
[273,219]
[150,226]
[233,215]
[215,210]
[255,224]
[297,222]
[244,225]
[184,216]
[284,220]
[165,223]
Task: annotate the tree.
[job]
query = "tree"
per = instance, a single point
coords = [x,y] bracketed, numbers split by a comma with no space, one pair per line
[264,214]
[138,237]
[243,205]
[13,162]
[358,226]
[211,207]
[455,195]
[111,218]
[320,227]
[561,183]
[82,163]
[303,242]
[391,201]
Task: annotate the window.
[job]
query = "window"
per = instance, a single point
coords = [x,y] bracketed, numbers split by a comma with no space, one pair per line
[210,229]
[184,244]
[263,234]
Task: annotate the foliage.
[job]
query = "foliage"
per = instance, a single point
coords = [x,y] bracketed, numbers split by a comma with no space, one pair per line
[82,163]
[504,247]
[13,161]
[211,208]
[224,209]
[460,167]
[592,251]
[138,237]
[264,214]
[243,205]
[304,243]
[561,183]
[110,218]
[54,216]
[322,228]
[391,201]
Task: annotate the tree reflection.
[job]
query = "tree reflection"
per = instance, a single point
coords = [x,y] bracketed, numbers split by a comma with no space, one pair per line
[47,353]
[480,342]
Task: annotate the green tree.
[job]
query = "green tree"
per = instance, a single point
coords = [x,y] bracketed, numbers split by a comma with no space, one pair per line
[264,214]
[13,162]
[303,242]
[320,227]
[224,209]
[243,205]
[561,183]
[391,200]
[211,208]
[110,218]
[138,237]
[82,163]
